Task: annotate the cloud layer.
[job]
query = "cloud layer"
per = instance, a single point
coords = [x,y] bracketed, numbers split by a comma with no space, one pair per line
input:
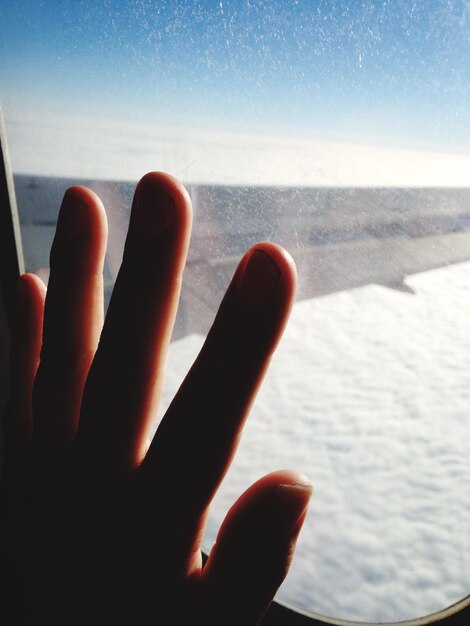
[77,147]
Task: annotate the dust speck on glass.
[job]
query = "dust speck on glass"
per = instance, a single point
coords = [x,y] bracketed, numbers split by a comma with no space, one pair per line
[340,130]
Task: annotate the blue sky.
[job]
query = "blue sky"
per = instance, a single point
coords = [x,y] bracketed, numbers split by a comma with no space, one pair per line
[394,72]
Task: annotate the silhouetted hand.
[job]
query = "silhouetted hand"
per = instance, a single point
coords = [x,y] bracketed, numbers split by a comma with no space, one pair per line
[94,528]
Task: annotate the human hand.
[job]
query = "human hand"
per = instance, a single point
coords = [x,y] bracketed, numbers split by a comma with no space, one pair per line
[95,528]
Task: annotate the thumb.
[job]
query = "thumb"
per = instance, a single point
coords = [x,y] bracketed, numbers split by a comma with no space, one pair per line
[254,548]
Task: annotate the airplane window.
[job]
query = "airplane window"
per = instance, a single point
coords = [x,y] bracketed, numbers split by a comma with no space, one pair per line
[340,130]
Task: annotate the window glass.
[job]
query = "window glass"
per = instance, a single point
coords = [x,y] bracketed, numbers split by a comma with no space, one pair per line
[340,130]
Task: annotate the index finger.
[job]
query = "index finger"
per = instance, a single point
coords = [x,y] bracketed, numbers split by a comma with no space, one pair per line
[198,435]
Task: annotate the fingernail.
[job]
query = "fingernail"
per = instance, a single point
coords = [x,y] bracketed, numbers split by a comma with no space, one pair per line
[73,217]
[259,279]
[297,498]
[153,212]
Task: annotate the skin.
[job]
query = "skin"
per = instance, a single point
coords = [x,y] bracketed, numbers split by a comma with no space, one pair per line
[94,527]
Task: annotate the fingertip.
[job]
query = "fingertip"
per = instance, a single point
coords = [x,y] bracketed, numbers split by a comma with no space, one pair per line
[163,183]
[30,297]
[83,194]
[161,210]
[284,477]
[30,285]
[266,270]
[81,225]
[81,212]
[279,255]
[260,298]
[276,502]
[292,485]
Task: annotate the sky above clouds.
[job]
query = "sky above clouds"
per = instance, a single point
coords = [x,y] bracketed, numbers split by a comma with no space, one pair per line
[387,73]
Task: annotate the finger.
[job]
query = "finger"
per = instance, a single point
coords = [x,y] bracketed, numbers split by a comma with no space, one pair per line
[24,360]
[197,437]
[254,549]
[73,319]
[125,382]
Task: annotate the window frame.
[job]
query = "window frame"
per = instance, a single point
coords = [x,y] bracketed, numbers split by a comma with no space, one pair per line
[280,613]
[11,248]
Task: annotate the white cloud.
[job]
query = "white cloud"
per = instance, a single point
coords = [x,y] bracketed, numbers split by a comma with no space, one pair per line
[77,147]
